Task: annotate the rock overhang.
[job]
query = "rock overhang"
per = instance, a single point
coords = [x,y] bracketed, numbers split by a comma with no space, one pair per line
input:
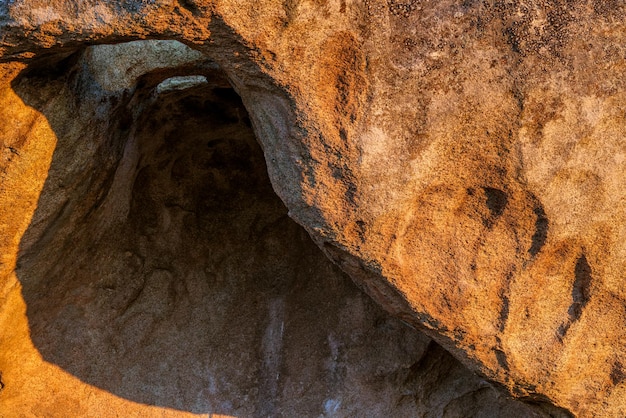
[399,160]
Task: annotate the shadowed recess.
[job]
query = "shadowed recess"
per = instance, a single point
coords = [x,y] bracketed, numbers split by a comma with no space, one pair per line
[161,267]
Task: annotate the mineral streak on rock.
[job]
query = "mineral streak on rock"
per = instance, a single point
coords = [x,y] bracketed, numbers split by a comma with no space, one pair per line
[462,161]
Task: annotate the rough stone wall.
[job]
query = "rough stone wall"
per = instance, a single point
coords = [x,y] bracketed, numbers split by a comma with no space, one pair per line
[159,274]
[462,161]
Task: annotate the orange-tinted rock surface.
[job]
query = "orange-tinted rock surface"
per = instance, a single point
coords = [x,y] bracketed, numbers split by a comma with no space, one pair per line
[160,274]
[463,162]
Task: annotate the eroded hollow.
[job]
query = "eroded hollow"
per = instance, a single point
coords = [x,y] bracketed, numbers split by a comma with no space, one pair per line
[161,267]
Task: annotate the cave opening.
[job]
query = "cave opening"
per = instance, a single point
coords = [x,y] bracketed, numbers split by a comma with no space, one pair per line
[161,267]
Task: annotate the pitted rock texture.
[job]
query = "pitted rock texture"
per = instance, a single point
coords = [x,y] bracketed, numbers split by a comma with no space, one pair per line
[462,161]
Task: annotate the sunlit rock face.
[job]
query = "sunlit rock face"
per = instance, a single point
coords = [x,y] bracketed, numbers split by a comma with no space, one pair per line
[463,162]
[160,274]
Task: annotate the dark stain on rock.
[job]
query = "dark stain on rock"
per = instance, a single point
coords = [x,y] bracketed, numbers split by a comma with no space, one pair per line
[563,328]
[501,357]
[351,193]
[541,231]
[580,294]
[361,227]
[496,201]
[618,373]
[504,308]
[580,289]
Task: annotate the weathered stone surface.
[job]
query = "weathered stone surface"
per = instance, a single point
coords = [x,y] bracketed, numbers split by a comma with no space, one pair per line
[160,269]
[462,161]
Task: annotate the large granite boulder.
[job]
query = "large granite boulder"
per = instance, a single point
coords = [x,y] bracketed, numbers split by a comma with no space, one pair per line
[461,161]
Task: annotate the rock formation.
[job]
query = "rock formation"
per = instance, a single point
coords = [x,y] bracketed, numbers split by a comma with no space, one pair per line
[461,161]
